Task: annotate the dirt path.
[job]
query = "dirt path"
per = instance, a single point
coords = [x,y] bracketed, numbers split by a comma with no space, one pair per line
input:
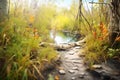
[72,64]
[73,68]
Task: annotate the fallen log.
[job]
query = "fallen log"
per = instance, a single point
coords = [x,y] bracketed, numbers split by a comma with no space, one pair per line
[62,46]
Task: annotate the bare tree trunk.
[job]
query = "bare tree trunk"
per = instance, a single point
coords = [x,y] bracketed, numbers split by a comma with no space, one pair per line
[80,14]
[3,9]
[114,23]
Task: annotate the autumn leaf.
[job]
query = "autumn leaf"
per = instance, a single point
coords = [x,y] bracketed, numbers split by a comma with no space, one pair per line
[94,34]
[57,77]
[36,36]
[100,38]
[35,30]
[117,38]
[101,26]
[104,31]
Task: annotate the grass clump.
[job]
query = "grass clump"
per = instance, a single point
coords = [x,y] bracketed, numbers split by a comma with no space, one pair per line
[96,44]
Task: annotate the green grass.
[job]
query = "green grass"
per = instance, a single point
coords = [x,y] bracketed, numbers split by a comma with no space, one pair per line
[18,43]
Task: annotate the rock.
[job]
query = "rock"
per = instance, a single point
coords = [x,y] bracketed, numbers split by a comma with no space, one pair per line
[66,57]
[62,72]
[71,44]
[75,68]
[81,75]
[71,53]
[97,66]
[71,71]
[78,62]
[73,78]
[77,44]
[75,59]
[78,47]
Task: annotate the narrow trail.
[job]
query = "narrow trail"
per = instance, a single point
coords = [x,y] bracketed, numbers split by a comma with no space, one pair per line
[72,67]
[72,64]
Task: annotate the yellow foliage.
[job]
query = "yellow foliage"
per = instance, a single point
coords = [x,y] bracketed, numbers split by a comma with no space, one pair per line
[27,29]
[31,19]
[60,22]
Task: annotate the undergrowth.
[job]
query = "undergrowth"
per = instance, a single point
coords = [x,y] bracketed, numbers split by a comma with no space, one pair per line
[21,57]
[96,44]
[97,48]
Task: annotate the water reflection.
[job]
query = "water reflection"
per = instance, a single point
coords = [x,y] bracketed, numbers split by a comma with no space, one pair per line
[60,37]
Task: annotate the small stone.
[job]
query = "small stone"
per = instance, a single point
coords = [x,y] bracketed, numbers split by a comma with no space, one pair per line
[77,43]
[62,72]
[81,75]
[71,71]
[75,59]
[97,66]
[73,78]
[66,57]
[78,62]
[77,47]
[75,68]
[71,53]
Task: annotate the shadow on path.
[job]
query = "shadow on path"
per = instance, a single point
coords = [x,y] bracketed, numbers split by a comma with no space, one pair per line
[72,67]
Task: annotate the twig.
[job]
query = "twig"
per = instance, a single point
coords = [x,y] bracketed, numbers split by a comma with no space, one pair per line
[87,21]
[115,40]
[98,3]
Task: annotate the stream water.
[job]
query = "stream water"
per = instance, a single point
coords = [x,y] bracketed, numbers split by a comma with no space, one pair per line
[60,37]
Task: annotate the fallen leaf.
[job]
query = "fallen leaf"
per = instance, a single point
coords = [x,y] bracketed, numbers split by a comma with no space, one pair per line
[57,77]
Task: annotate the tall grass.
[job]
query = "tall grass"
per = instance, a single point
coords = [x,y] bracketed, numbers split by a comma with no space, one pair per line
[20,50]
[96,43]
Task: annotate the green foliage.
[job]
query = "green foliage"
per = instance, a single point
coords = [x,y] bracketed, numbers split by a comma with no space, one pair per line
[50,77]
[113,52]
[47,53]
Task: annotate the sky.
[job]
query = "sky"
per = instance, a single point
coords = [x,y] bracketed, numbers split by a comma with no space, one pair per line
[67,3]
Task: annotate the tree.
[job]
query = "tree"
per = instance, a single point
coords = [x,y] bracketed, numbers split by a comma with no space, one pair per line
[114,25]
[3,9]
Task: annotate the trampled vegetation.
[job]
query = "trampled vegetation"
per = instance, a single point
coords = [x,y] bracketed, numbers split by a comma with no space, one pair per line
[27,25]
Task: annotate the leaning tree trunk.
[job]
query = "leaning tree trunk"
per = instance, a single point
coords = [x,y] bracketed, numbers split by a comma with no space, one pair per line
[3,9]
[114,23]
[3,14]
